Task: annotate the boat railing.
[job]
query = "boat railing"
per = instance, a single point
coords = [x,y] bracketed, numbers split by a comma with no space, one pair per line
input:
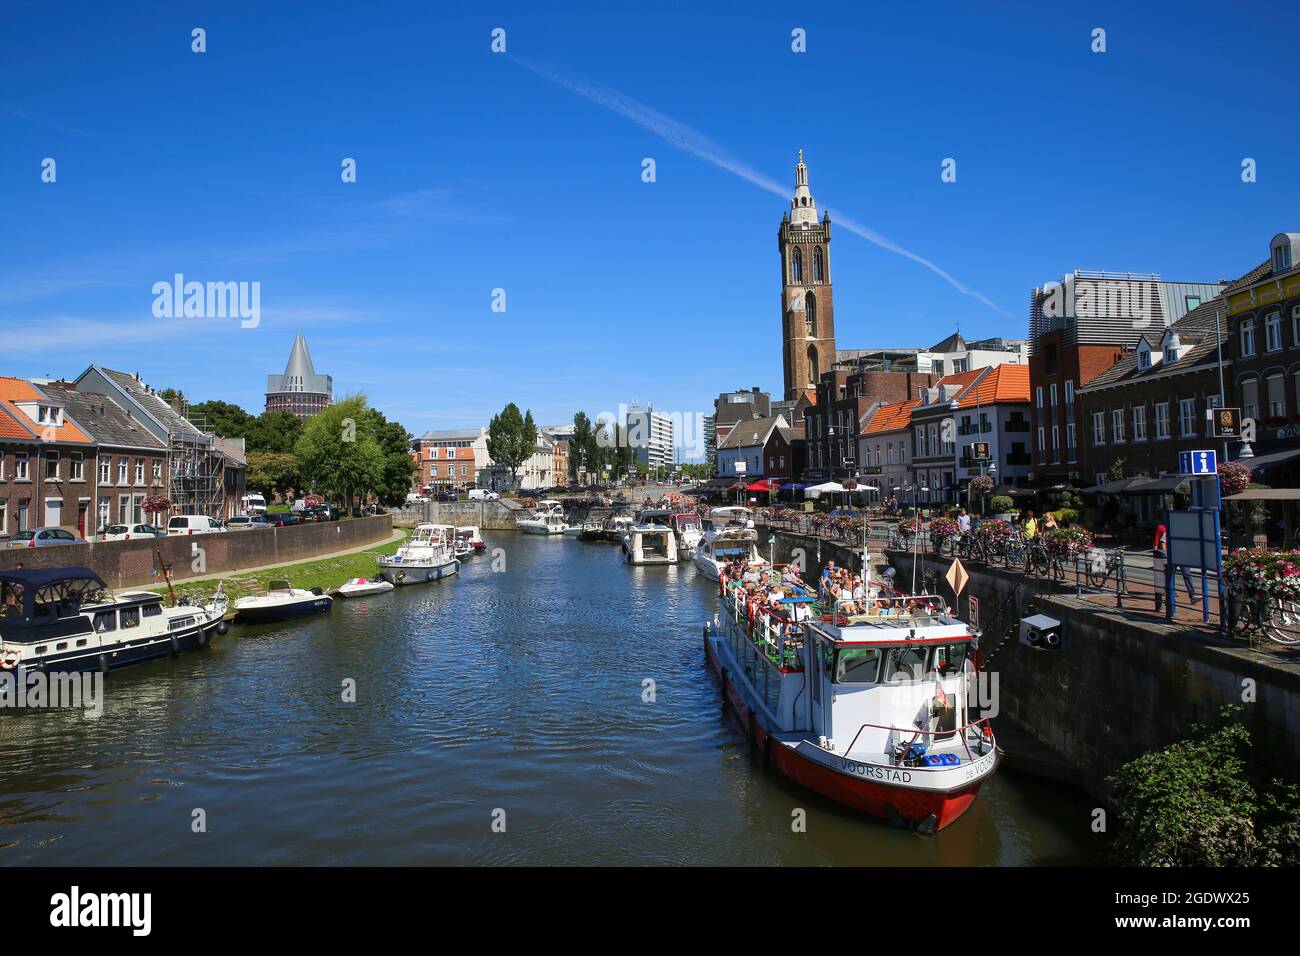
[883,608]
[779,638]
[981,728]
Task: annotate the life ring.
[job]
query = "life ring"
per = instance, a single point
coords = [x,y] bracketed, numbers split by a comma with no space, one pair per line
[9,664]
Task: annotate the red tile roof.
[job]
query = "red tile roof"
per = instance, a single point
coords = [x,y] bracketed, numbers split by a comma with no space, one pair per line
[13,390]
[1003,383]
[892,417]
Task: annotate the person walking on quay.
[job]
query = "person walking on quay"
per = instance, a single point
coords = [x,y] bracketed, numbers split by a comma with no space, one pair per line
[1159,555]
[1049,522]
[963,522]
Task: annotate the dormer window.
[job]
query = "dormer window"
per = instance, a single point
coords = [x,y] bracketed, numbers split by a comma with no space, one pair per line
[1282,257]
[1172,346]
[1145,360]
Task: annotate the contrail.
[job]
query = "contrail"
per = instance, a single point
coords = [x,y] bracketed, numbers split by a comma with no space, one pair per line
[697,144]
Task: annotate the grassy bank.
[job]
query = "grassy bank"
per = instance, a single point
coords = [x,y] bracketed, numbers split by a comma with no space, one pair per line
[326,573]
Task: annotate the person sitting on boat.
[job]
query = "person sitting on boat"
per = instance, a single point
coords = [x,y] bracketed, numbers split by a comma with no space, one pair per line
[828,573]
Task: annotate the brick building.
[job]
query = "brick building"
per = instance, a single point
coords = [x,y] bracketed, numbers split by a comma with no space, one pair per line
[845,396]
[1263,345]
[807,308]
[130,462]
[1079,328]
[47,463]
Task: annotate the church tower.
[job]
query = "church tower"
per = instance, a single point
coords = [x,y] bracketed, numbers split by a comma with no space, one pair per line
[807,315]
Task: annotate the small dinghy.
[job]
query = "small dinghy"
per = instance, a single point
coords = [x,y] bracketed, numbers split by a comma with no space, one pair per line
[281,603]
[362,587]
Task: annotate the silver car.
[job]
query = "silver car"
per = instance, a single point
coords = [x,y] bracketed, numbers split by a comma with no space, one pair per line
[43,538]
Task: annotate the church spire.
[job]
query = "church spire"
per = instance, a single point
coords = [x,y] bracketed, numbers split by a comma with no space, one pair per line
[802,206]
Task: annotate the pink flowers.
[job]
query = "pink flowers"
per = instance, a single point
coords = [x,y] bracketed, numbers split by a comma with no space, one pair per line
[1264,573]
[995,530]
[1234,478]
[1067,542]
[943,528]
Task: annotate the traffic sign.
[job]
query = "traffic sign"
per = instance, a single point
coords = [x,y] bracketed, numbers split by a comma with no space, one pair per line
[1226,422]
[1204,462]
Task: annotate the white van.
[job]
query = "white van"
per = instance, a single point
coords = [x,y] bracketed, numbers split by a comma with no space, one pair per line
[253,504]
[194,524]
[482,494]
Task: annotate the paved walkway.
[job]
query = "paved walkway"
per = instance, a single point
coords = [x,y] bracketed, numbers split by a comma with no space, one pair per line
[397,535]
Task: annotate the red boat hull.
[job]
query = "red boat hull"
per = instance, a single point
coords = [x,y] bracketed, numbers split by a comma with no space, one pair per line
[919,808]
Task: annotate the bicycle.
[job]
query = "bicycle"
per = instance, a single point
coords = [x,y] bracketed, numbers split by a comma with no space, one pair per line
[1277,618]
[1104,563]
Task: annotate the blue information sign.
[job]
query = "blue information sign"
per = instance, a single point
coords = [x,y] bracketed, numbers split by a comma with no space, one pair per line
[1198,462]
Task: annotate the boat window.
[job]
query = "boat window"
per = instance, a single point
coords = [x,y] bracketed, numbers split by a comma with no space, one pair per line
[130,617]
[11,599]
[857,665]
[152,610]
[905,664]
[949,658]
[105,621]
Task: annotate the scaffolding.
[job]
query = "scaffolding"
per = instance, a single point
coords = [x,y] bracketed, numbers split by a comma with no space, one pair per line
[197,467]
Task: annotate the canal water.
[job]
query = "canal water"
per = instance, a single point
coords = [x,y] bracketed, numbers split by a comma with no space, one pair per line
[510,693]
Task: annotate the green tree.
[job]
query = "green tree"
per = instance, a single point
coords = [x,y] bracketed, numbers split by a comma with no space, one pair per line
[512,440]
[1204,801]
[582,448]
[274,431]
[222,418]
[398,466]
[338,452]
[272,471]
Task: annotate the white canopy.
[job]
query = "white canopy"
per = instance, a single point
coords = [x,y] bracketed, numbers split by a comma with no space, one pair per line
[816,491]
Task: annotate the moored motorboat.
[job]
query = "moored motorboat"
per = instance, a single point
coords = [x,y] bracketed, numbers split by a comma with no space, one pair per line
[281,602]
[66,620]
[721,546]
[866,704]
[469,535]
[363,587]
[547,518]
[427,555]
[616,528]
[686,526]
[651,544]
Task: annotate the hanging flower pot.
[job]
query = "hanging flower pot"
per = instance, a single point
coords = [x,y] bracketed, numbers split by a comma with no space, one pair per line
[156,504]
[1234,478]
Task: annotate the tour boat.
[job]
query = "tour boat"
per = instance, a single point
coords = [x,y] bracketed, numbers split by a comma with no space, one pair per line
[363,587]
[651,544]
[66,620]
[868,709]
[546,518]
[426,556]
[281,602]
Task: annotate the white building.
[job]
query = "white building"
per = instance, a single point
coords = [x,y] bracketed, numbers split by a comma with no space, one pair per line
[650,434]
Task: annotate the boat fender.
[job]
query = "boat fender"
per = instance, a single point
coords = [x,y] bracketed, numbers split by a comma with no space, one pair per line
[176,645]
[929,825]
[103,663]
[223,628]
[203,637]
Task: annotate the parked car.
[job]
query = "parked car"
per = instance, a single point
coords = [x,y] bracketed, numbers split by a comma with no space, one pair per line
[43,538]
[247,523]
[125,532]
[414,499]
[254,504]
[322,512]
[194,524]
[448,496]
[282,519]
[482,494]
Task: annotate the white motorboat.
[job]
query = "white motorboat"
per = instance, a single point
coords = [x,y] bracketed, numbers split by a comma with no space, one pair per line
[470,535]
[427,555]
[616,528]
[281,602]
[651,544]
[730,536]
[866,704]
[66,620]
[546,518]
[686,525]
[363,587]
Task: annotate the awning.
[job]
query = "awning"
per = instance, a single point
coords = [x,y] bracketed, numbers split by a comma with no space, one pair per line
[816,491]
[1263,462]
[1110,487]
[761,485]
[1267,494]
[1156,486]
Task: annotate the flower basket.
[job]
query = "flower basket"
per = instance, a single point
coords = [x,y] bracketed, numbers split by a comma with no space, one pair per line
[981,485]
[1263,573]
[995,531]
[941,528]
[156,504]
[1067,542]
[1234,478]
[910,526]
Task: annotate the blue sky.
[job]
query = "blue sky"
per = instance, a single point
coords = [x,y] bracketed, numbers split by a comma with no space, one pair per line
[523,172]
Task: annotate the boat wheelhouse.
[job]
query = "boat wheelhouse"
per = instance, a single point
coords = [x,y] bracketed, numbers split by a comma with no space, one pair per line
[651,544]
[865,705]
[427,555]
[66,620]
[617,527]
[686,525]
